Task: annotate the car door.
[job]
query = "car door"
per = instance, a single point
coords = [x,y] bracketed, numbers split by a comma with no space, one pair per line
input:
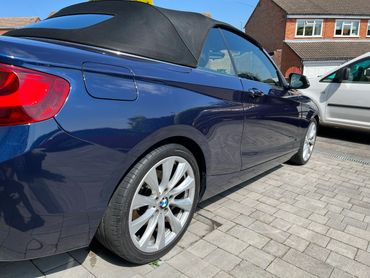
[223,120]
[348,101]
[271,113]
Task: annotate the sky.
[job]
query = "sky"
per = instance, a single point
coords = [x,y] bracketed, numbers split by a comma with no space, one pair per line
[234,12]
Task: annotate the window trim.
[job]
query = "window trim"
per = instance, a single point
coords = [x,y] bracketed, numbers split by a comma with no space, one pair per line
[368,29]
[349,36]
[228,50]
[304,28]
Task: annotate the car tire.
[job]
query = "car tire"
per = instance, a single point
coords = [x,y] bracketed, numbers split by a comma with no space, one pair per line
[138,197]
[307,146]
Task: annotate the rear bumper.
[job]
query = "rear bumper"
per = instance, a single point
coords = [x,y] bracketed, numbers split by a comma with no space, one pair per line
[54,189]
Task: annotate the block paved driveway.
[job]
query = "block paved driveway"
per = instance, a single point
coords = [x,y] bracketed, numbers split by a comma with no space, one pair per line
[310,221]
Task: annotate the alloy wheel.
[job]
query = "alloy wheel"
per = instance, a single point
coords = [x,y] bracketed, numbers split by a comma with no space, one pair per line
[309,142]
[162,204]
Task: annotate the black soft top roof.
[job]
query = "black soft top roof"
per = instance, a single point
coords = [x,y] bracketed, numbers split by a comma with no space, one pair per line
[135,28]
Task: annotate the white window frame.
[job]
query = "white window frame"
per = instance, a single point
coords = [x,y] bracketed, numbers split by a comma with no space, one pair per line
[344,23]
[313,28]
[368,29]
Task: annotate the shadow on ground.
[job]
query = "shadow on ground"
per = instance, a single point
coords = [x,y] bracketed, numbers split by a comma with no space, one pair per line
[94,258]
[345,134]
[236,188]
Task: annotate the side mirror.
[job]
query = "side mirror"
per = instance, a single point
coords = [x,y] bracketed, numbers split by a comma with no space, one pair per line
[298,81]
[342,75]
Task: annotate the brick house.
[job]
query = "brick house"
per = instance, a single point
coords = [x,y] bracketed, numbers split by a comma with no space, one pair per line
[10,23]
[311,36]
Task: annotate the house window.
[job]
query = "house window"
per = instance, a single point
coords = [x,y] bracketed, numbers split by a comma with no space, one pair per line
[309,28]
[368,29]
[347,28]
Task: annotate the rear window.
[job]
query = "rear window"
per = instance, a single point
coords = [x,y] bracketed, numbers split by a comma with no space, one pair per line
[78,21]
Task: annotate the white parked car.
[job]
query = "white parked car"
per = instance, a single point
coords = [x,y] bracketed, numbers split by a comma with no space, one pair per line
[343,94]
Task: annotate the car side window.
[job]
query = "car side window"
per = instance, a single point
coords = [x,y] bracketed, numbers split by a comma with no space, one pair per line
[360,72]
[215,57]
[250,61]
[329,78]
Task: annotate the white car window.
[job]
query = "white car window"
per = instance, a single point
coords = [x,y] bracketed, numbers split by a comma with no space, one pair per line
[359,72]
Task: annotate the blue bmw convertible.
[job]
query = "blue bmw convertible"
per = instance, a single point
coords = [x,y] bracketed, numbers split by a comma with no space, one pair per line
[117,118]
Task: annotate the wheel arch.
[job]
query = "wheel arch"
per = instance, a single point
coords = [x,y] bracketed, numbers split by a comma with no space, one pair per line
[187,136]
[317,118]
[315,105]
[193,147]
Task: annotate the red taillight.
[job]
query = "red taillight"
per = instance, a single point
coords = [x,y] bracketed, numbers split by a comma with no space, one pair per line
[28,96]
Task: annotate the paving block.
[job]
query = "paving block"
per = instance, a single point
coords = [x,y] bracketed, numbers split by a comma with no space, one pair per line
[249,236]
[193,266]
[202,248]
[337,273]
[244,220]
[297,243]
[283,269]
[348,239]
[363,257]
[358,232]
[317,252]
[318,218]
[269,231]
[319,228]
[308,263]
[226,242]
[257,257]
[275,248]
[292,218]
[222,259]
[249,270]
[281,224]
[164,271]
[348,265]
[342,248]
[309,235]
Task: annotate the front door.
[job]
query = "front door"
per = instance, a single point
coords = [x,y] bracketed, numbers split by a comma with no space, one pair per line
[224,118]
[348,102]
[271,115]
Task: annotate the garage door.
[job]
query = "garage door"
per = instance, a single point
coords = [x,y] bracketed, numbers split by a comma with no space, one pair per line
[318,68]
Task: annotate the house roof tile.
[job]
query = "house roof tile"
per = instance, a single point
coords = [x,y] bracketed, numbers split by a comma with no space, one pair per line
[329,50]
[15,22]
[325,7]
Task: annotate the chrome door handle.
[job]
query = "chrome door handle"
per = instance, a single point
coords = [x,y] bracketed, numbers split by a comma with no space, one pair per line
[254,93]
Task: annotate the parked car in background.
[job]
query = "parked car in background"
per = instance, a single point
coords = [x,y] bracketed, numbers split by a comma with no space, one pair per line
[115,130]
[343,94]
